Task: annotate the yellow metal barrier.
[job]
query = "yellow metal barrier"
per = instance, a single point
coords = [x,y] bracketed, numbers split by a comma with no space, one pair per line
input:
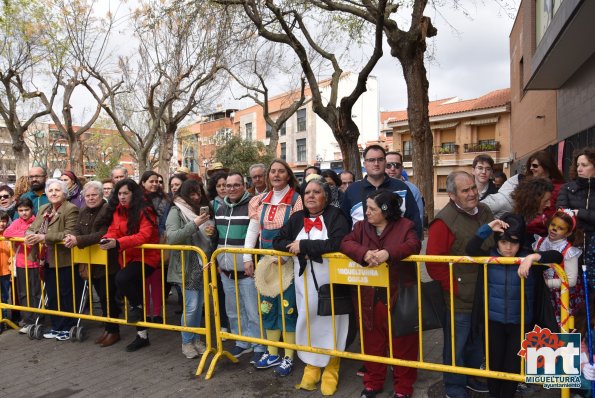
[345,271]
[342,270]
[95,257]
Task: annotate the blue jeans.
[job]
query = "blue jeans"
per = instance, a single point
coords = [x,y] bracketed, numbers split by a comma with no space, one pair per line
[468,352]
[194,304]
[248,302]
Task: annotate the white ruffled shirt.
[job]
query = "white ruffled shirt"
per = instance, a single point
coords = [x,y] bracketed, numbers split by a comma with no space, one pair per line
[570,261]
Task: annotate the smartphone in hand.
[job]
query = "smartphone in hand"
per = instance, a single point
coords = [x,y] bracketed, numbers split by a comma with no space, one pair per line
[204,210]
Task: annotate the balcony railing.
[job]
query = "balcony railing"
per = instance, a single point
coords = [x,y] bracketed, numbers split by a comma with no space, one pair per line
[446,149]
[482,147]
[407,158]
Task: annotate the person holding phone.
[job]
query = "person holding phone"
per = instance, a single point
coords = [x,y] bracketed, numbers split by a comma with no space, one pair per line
[134,222]
[188,224]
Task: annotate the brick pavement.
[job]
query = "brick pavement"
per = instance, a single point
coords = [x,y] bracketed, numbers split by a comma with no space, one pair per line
[53,369]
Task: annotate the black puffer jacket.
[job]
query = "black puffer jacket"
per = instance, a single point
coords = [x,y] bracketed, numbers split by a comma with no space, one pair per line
[580,194]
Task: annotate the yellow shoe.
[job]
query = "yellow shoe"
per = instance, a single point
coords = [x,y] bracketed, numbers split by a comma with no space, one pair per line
[310,378]
[330,377]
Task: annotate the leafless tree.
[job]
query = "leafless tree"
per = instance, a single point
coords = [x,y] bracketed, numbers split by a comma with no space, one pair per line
[181,48]
[408,46]
[296,24]
[261,62]
[22,61]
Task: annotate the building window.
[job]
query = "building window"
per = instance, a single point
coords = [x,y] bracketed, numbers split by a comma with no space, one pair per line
[448,147]
[283,130]
[269,131]
[407,151]
[521,76]
[248,131]
[283,151]
[301,150]
[301,120]
[441,184]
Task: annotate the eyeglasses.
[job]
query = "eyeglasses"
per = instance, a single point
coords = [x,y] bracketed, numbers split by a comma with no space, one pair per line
[375,160]
[35,177]
[4,197]
[393,165]
[481,169]
[233,186]
[534,165]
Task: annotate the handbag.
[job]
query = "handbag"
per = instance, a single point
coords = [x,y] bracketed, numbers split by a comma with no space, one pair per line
[404,315]
[341,295]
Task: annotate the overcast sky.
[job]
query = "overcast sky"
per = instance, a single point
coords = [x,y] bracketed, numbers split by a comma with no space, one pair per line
[469,62]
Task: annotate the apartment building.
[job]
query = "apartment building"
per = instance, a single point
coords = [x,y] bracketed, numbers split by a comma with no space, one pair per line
[462,129]
[552,68]
[304,139]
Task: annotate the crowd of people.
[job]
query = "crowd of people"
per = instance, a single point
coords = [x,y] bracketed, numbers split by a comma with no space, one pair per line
[379,219]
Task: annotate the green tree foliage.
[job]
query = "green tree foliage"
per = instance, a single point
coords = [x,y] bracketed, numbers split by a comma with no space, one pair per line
[238,154]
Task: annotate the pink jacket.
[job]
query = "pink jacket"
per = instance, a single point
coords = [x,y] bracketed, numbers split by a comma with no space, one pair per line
[17,230]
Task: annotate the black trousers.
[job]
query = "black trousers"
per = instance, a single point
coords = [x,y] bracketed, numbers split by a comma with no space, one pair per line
[129,281]
[60,286]
[104,286]
[505,343]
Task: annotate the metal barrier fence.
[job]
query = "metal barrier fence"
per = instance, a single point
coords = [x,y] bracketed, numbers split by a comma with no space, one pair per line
[96,261]
[345,271]
[342,271]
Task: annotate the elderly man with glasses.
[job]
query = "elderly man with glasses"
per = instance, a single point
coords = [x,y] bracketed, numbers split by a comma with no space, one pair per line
[353,204]
[394,169]
[36,193]
[259,183]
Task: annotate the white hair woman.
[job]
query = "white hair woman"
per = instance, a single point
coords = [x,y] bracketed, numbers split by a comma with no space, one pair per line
[54,221]
[308,234]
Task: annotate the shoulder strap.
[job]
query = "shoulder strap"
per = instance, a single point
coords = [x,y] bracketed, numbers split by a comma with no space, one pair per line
[539,242]
[566,248]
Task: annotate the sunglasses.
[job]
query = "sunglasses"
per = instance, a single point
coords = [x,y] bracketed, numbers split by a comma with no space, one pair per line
[393,165]
[534,166]
[4,197]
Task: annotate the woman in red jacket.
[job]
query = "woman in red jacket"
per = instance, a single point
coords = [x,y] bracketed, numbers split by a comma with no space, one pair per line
[134,223]
[384,236]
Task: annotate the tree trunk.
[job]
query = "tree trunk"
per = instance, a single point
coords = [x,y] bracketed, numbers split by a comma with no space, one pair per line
[142,158]
[346,135]
[422,140]
[21,155]
[273,142]
[166,142]
[76,155]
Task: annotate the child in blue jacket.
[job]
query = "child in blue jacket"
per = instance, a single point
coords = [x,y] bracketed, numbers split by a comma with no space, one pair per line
[504,295]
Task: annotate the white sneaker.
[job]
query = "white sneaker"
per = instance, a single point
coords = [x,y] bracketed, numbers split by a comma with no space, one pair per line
[24,329]
[189,351]
[199,346]
[52,334]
